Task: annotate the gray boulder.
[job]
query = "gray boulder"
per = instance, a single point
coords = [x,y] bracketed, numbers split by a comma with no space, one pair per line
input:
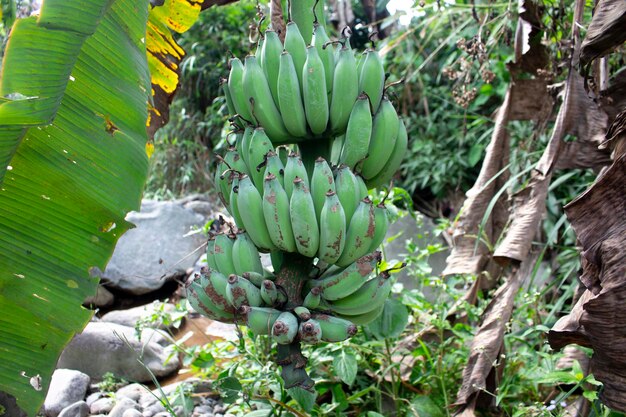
[67,387]
[109,347]
[103,298]
[157,250]
[102,405]
[123,405]
[78,409]
[131,316]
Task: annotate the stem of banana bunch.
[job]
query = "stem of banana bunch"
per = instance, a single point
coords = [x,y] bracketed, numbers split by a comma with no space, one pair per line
[312,149]
[291,277]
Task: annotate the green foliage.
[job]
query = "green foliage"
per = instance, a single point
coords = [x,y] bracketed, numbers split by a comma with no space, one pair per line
[110,383]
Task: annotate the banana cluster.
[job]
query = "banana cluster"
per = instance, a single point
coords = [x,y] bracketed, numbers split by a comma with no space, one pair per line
[328,216]
[300,93]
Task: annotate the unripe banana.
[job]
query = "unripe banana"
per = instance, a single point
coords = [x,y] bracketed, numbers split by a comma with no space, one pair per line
[347,188]
[229,100]
[304,223]
[235,86]
[276,257]
[256,278]
[294,168]
[285,328]
[295,45]
[223,182]
[336,147]
[271,294]
[300,12]
[334,329]
[372,78]
[345,90]
[314,92]
[322,181]
[332,229]
[259,319]
[313,298]
[392,165]
[250,204]
[290,97]
[245,146]
[259,49]
[223,250]
[369,297]
[358,133]
[210,253]
[240,291]
[276,214]
[381,216]
[260,145]
[202,303]
[246,257]
[272,47]
[321,41]
[310,332]
[362,187]
[302,313]
[234,161]
[360,234]
[274,166]
[258,93]
[385,129]
[347,281]
[233,207]
[366,318]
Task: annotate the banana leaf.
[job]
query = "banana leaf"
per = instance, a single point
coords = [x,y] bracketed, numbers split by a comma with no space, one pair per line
[75,91]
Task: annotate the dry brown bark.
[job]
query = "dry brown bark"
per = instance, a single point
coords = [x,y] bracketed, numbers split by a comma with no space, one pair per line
[606,31]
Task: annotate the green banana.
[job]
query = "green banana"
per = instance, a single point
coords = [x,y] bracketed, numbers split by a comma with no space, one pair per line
[381,218]
[322,181]
[369,297]
[259,319]
[304,223]
[332,229]
[259,49]
[246,257]
[385,128]
[210,252]
[321,41]
[372,78]
[300,12]
[245,146]
[302,313]
[285,328]
[392,165]
[233,207]
[272,48]
[362,187]
[235,86]
[250,205]
[364,318]
[290,97]
[240,291]
[256,278]
[234,161]
[229,100]
[271,294]
[314,92]
[202,303]
[334,329]
[258,93]
[345,90]
[295,45]
[337,146]
[347,188]
[310,332]
[294,168]
[223,182]
[223,250]
[276,214]
[360,234]
[273,165]
[260,145]
[313,298]
[358,132]
[348,280]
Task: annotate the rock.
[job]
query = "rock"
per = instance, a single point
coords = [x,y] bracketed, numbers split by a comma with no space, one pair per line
[156,250]
[122,405]
[109,347]
[153,409]
[163,414]
[201,207]
[92,398]
[103,405]
[103,298]
[67,387]
[132,413]
[78,409]
[132,391]
[131,316]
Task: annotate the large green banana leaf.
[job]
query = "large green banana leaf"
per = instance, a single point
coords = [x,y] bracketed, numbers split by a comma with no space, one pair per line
[74,97]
